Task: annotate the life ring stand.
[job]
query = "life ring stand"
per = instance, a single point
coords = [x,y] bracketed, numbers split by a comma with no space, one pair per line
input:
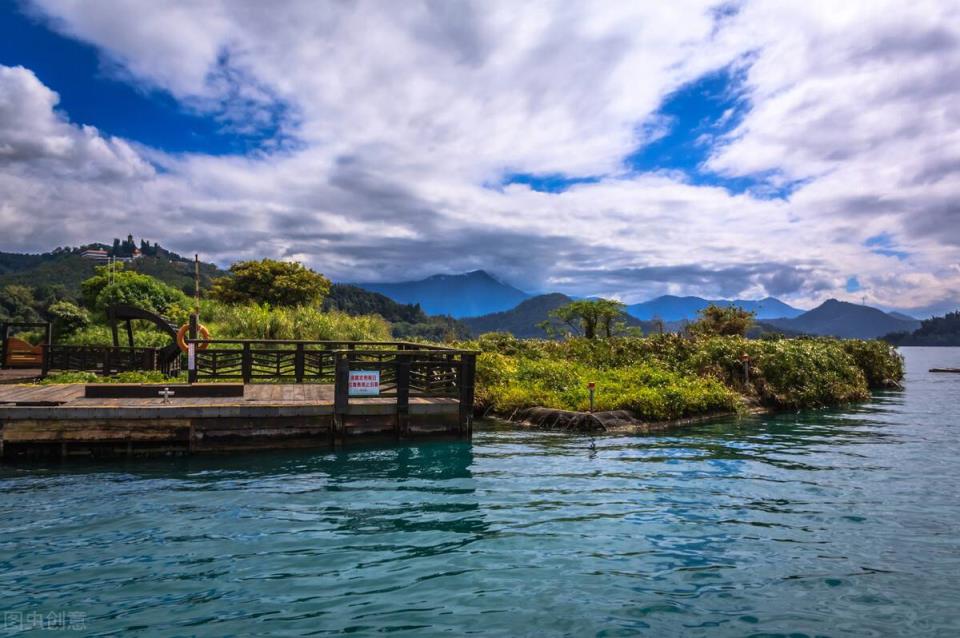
[202,332]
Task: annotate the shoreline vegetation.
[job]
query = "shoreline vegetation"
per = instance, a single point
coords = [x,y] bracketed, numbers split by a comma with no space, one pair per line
[649,383]
[642,383]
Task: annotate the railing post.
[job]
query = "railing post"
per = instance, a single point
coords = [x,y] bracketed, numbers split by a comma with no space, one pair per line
[192,332]
[45,364]
[246,363]
[468,367]
[298,362]
[403,394]
[341,392]
[3,345]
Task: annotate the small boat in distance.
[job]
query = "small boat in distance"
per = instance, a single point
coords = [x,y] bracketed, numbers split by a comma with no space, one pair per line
[954,370]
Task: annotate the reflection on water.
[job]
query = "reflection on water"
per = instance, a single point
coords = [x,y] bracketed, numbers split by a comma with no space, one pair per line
[818,523]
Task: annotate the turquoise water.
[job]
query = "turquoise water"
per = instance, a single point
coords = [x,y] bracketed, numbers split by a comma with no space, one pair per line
[832,523]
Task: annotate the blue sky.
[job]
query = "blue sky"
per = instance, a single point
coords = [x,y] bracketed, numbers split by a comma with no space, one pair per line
[95,91]
[736,149]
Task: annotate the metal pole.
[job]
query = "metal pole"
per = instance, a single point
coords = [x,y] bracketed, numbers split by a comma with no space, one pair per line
[196,282]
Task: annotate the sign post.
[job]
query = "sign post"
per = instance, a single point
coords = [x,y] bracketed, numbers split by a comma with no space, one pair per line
[364,383]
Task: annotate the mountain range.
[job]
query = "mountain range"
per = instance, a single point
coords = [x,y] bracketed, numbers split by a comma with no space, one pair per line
[467,295]
[483,302]
[524,319]
[671,308]
[848,320]
[486,304]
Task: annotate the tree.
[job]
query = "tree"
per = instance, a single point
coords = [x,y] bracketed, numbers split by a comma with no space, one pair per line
[268,281]
[114,284]
[722,320]
[17,303]
[67,318]
[590,318]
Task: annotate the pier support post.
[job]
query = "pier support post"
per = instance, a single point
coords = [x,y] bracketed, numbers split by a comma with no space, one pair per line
[246,363]
[468,367]
[341,394]
[403,395]
[3,345]
[299,363]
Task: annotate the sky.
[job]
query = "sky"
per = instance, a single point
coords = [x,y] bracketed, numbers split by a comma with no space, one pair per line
[804,150]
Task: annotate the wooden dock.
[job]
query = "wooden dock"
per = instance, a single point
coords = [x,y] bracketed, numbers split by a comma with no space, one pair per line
[19,375]
[59,421]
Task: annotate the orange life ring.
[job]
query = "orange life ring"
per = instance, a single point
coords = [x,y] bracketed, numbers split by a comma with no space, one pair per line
[202,332]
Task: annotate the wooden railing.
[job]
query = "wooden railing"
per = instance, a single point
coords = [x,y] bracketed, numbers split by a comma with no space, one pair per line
[432,368]
[103,360]
[405,369]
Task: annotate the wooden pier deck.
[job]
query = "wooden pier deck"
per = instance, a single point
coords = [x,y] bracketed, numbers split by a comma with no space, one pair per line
[58,420]
[19,375]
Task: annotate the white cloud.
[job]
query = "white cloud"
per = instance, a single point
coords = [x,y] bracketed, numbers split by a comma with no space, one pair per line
[404,113]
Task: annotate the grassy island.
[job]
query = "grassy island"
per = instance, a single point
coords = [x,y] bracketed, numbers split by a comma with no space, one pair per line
[668,377]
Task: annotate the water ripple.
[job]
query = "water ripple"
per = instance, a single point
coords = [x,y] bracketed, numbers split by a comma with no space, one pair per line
[820,523]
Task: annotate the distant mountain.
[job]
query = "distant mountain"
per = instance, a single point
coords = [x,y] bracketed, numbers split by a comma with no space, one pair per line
[354,300]
[672,308]
[900,315]
[408,321]
[522,320]
[843,319]
[468,295]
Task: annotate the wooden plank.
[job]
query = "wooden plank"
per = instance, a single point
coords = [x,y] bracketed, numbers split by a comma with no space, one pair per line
[94,430]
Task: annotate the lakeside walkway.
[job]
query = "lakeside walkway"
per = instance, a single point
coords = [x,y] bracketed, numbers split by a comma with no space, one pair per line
[59,420]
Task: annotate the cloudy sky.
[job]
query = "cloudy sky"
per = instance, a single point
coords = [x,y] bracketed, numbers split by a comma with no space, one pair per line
[798,149]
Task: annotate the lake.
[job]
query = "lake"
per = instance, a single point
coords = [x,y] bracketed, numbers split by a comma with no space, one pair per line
[827,523]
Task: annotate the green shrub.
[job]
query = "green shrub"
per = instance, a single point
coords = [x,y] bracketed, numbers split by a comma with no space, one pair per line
[122,377]
[669,376]
[70,377]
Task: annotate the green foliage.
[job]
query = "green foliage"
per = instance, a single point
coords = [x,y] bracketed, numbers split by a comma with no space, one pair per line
[354,300]
[436,328]
[229,321]
[65,269]
[935,331]
[729,321]
[176,274]
[145,335]
[880,362]
[115,284]
[590,318]
[70,377]
[649,391]
[67,318]
[17,303]
[668,376]
[268,281]
[122,377]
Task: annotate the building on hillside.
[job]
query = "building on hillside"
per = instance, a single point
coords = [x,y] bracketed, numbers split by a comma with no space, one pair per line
[137,254]
[95,254]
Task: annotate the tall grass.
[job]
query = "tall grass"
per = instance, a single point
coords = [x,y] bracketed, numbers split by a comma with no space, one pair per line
[310,323]
[227,321]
